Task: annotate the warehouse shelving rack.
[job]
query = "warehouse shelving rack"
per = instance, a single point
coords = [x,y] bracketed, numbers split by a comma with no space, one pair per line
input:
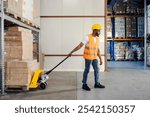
[145,39]
[122,39]
[4,17]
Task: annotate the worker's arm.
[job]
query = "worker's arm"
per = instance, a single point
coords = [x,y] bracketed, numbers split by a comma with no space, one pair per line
[99,56]
[76,48]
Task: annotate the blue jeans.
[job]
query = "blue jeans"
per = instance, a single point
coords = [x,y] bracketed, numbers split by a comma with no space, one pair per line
[87,69]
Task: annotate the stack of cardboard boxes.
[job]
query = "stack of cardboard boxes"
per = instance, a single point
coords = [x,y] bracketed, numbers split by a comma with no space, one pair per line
[19,61]
[131,27]
[109,28]
[140,26]
[148,55]
[120,51]
[148,18]
[13,7]
[120,7]
[27,9]
[120,27]
[129,54]
[36,12]
[131,6]
[128,6]
[18,44]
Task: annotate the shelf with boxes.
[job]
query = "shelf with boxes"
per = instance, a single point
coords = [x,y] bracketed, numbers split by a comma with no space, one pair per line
[22,10]
[148,34]
[125,25]
[19,49]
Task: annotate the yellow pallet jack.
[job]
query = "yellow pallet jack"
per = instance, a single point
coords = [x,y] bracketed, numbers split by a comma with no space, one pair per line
[40,77]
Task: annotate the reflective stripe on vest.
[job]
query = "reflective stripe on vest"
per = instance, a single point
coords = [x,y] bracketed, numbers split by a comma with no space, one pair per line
[91,48]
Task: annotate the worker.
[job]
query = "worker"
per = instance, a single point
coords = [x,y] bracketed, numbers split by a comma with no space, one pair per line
[91,53]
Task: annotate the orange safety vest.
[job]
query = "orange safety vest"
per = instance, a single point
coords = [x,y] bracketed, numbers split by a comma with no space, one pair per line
[91,48]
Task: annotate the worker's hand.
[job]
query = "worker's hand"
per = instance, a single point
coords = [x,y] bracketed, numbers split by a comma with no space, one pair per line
[101,62]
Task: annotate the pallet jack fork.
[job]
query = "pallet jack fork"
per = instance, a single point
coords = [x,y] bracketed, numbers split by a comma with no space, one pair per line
[40,77]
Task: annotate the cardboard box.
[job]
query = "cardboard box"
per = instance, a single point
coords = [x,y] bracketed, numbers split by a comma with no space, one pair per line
[20,44]
[20,72]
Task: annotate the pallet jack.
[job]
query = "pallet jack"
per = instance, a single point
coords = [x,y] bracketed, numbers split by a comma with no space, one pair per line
[40,77]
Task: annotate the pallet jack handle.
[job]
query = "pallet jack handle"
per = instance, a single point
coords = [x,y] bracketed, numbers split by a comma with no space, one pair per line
[56,65]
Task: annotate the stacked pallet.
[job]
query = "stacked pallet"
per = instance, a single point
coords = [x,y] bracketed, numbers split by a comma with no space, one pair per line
[109,28]
[120,51]
[148,55]
[129,54]
[27,9]
[13,7]
[138,52]
[19,61]
[119,7]
[119,27]
[130,27]
[131,6]
[140,26]
[24,10]
[18,44]
[148,19]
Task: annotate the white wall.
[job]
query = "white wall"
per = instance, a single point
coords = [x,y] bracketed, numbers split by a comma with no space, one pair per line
[60,35]
[72,7]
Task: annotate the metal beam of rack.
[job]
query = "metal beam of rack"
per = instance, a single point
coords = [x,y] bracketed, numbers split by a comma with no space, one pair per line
[15,21]
[145,33]
[2,76]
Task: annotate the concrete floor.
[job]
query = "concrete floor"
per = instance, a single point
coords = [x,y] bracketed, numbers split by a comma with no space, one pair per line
[121,84]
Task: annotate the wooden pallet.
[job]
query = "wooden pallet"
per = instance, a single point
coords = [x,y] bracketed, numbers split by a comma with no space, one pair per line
[17,88]
[20,18]
[12,14]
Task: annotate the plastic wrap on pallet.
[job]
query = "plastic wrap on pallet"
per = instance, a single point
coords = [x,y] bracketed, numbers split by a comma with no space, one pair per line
[131,27]
[148,19]
[140,26]
[119,7]
[148,55]
[108,50]
[109,27]
[120,51]
[119,27]
[140,8]
[129,54]
[109,9]
[131,6]
[138,52]
[108,47]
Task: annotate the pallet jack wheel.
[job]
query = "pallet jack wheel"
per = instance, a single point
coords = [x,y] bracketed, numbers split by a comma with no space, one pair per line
[46,83]
[43,85]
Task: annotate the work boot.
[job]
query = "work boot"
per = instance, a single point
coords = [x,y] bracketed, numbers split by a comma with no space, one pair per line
[85,87]
[98,85]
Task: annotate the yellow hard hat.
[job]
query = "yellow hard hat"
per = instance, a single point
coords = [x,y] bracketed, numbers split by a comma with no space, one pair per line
[96,26]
